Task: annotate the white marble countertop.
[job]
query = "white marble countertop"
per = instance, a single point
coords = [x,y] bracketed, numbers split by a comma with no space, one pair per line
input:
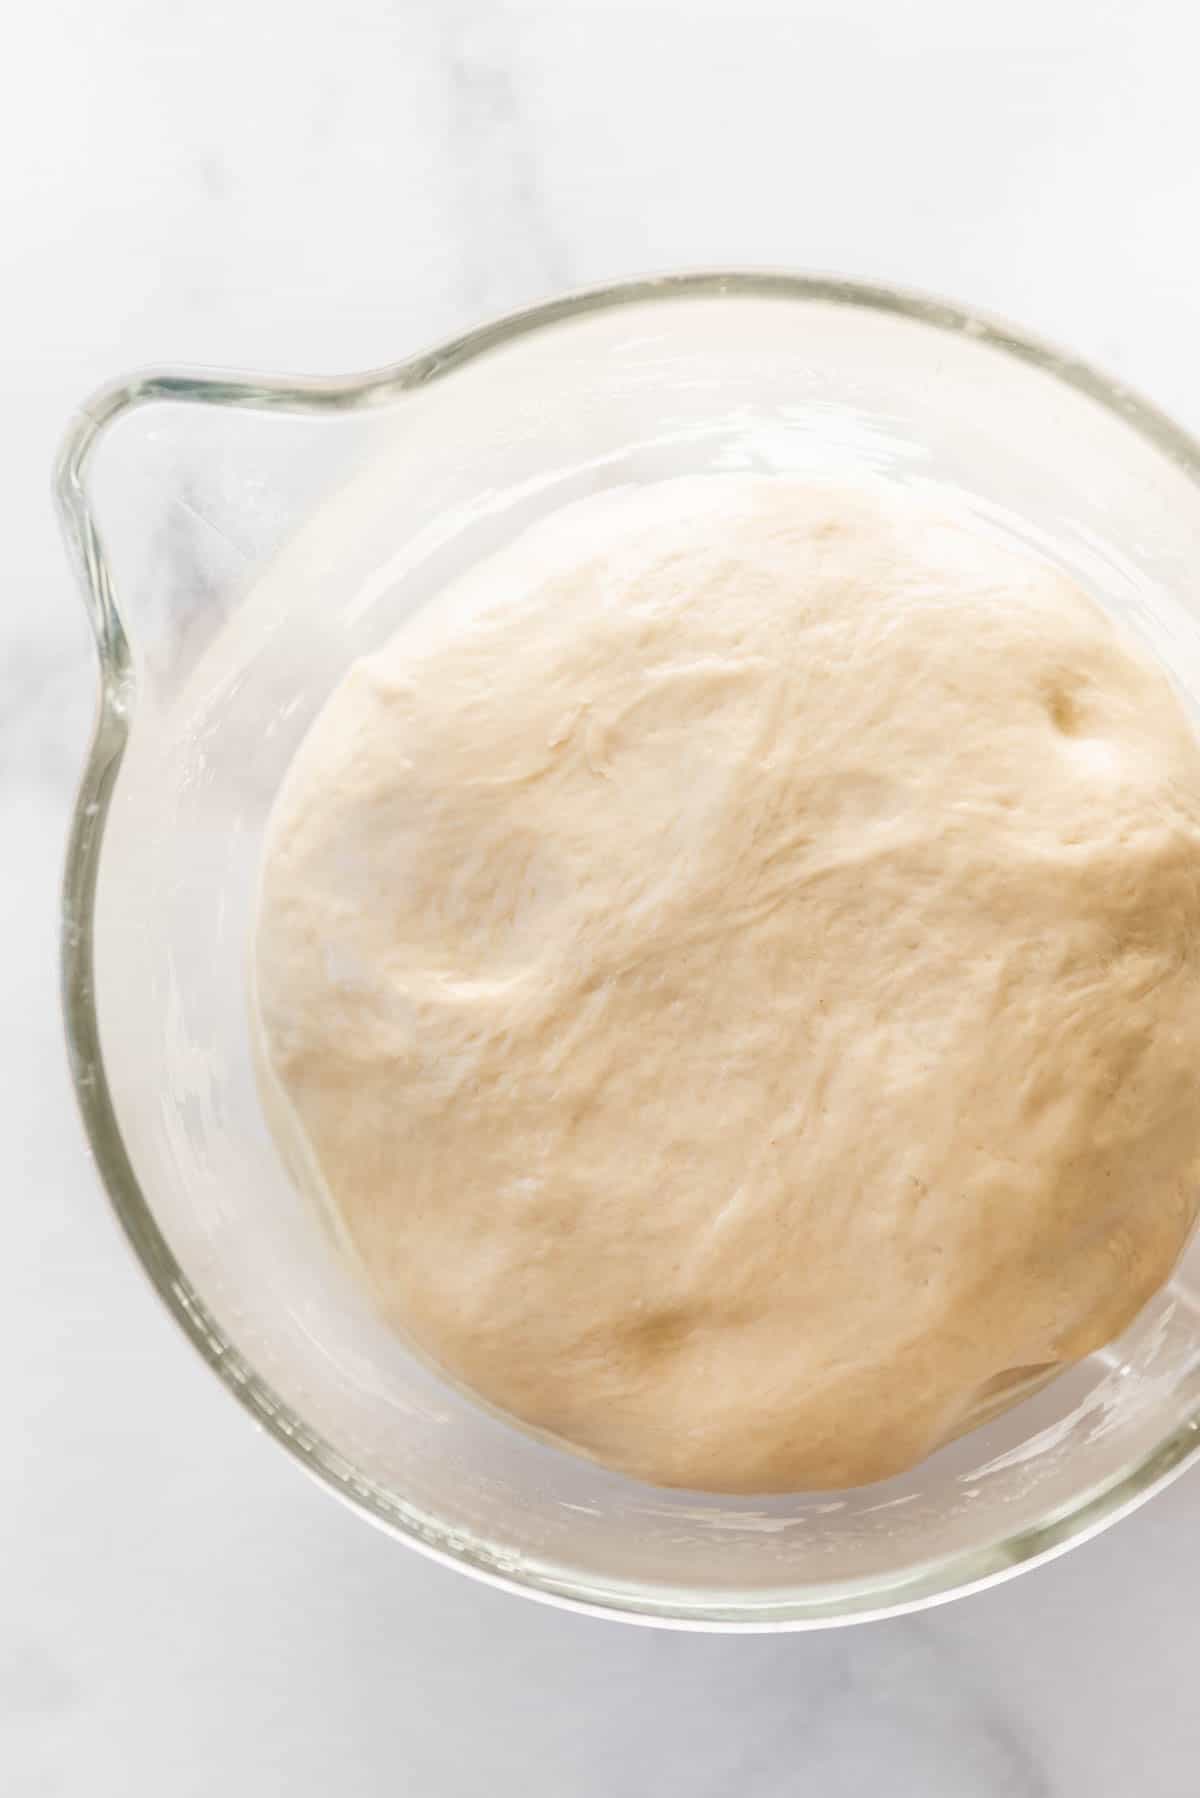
[282,184]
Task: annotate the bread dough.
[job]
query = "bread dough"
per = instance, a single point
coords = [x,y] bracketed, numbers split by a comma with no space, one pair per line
[734,970]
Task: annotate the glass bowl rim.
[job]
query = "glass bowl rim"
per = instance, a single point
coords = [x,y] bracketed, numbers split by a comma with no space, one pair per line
[791,1608]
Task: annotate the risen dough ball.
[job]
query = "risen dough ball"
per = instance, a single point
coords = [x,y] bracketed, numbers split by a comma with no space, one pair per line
[734,971]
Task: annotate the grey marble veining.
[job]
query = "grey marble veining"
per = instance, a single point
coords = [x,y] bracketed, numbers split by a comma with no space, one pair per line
[296,186]
[499,216]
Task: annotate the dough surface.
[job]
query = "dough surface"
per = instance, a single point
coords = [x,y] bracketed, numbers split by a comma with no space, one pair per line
[735,968]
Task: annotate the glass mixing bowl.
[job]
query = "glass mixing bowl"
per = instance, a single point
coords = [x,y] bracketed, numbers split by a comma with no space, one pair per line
[240,540]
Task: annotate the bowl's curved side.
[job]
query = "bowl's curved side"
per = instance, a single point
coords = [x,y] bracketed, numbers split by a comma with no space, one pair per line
[812,1607]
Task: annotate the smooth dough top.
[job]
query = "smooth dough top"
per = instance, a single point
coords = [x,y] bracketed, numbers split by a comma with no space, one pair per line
[734,968]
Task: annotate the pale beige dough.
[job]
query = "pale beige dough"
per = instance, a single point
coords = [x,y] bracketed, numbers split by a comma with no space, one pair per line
[736,971]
